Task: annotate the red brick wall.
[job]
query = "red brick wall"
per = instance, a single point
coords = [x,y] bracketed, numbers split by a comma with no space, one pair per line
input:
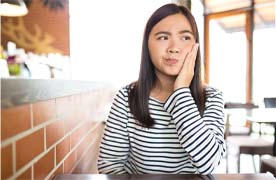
[46,138]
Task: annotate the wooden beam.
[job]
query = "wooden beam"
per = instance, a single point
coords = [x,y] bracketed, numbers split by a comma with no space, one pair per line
[206,49]
[232,12]
[249,62]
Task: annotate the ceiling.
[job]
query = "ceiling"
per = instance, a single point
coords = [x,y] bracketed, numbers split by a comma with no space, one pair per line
[264,13]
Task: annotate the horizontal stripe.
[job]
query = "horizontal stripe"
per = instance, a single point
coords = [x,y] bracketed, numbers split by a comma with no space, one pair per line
[181,141]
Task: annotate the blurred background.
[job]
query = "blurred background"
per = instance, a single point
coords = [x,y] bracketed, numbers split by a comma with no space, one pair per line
[101,41]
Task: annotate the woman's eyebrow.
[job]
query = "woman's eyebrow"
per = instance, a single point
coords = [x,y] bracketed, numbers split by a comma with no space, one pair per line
[168,33]
[186,31]
[162,32]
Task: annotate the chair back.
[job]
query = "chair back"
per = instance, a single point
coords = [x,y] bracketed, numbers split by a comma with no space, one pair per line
[233,105]
[270,102]
[240,130]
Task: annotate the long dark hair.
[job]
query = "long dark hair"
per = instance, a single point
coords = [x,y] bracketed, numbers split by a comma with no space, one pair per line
[139,91]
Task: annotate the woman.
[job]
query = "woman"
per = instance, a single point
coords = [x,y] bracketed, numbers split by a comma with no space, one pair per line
[166,121]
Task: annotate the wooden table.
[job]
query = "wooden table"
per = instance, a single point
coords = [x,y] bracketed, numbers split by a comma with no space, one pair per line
[258,115]
[165,177]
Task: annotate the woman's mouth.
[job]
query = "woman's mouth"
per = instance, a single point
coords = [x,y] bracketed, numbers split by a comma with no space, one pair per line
[171,61]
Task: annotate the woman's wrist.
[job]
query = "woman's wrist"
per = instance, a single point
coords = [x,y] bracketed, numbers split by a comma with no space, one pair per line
[180,86]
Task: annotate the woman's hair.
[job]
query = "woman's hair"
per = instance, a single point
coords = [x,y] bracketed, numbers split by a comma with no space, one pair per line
[139,91]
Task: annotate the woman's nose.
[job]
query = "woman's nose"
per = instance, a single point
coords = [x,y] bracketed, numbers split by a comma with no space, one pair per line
[173,50]
[173,46]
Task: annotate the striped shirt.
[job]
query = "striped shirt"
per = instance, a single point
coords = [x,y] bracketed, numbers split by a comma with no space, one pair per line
[181,141]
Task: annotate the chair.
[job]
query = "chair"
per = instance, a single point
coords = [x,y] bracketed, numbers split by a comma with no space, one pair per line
[269,165]
[248,145]
[244,144]
[231,130]
[270,102]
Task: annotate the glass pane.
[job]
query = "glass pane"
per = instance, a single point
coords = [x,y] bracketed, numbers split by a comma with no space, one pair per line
[228,58]
[264,64]
[264,57]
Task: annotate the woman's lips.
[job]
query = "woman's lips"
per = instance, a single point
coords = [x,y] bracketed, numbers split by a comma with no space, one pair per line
[171,61]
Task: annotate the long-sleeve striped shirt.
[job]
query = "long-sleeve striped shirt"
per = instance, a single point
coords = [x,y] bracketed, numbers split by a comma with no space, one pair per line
[181,141]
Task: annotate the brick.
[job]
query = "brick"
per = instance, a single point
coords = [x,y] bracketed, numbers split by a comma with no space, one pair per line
[91,165]
[62,149]
[26,175]
[90,138]
[44,166]
[58,171]
[69,162]
[44,111]
[6,162]
[54,132]
[15,120]
[29,147]
[64,106]
[76,101]
[88,162]
[83,146]
[77,135]
[71,122]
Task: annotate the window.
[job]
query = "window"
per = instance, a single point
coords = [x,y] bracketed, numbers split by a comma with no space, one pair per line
[264,64]
[228,59]
[243,73]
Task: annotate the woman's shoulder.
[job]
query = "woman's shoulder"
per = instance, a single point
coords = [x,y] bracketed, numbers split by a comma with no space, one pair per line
[124,90]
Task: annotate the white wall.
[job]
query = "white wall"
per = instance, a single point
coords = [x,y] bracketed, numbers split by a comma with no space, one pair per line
[106,38]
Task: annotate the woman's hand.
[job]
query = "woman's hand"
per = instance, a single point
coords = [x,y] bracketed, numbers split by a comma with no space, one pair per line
[186,73]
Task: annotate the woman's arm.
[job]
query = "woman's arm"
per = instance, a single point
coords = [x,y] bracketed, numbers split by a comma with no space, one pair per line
[114,147]
[201,137]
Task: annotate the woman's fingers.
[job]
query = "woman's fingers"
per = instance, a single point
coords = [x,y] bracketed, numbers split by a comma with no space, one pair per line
[186,74]
[193,52]
[190,59]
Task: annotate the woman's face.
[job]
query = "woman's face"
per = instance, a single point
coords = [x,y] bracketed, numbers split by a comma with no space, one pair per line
[169,42]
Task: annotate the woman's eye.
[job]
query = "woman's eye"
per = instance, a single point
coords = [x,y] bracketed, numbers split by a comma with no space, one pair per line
[162,38]
[186,38]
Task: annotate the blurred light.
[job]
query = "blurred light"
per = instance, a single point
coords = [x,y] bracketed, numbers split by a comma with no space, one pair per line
[13,8]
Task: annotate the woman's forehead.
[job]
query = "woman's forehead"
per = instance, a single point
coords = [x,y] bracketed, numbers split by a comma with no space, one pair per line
[175,22]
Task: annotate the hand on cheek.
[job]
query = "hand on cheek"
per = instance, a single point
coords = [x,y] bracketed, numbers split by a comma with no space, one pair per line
[186,73]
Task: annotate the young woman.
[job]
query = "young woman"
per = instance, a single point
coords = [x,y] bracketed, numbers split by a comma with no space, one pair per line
[167,121]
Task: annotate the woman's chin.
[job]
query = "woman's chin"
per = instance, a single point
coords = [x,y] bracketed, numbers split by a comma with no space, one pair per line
[174,74]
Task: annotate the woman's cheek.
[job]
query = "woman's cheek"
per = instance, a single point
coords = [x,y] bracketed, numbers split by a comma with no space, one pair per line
[188,46]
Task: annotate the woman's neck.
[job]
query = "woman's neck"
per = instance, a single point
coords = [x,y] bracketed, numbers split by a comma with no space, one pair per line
[163,88]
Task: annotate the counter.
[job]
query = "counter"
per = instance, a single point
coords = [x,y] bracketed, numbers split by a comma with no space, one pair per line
[51,127]
[17,91]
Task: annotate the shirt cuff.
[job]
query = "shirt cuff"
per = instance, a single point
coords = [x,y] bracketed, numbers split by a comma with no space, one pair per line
[175,96]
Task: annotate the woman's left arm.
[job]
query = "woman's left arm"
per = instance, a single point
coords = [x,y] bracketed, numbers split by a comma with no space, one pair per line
[201,137]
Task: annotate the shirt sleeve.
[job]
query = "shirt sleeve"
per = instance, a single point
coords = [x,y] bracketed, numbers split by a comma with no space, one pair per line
[201,137]
[114,148]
